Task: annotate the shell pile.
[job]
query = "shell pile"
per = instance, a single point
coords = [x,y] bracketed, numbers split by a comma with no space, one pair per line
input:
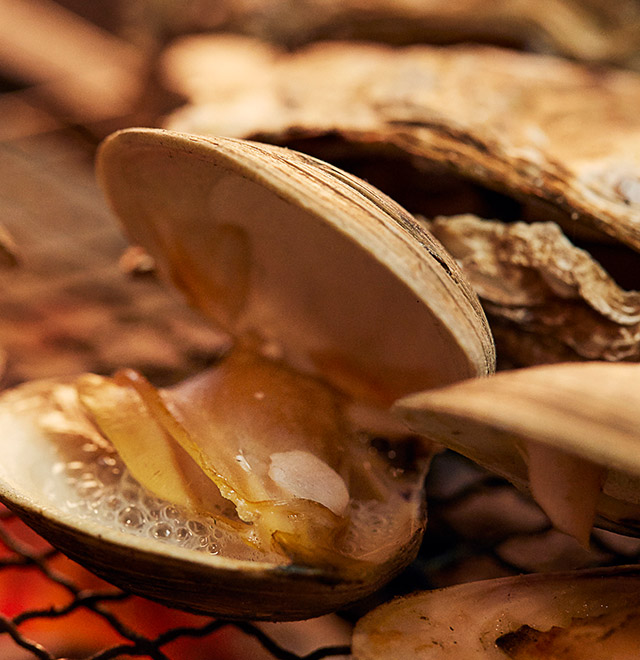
[253,489]
[437,128]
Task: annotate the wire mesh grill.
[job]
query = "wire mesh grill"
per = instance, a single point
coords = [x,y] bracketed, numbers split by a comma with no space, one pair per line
[463,543]
[23,556]
[33,556]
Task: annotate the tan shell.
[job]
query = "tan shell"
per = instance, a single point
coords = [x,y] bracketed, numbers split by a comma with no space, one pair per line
[298,230]
[512,121]
[538,288]
[274,247]
[596,30]
[476,620]
[584,410]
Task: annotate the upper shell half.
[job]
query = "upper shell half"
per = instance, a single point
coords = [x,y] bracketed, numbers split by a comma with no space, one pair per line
[272,243]
[336,301]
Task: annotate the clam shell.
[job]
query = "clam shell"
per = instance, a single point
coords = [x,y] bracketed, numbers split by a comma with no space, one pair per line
[289,254]
[585,410]
[341,278]
[515,122]
[472,620]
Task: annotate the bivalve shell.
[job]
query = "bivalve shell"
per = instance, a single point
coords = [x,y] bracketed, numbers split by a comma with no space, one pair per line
[305,267]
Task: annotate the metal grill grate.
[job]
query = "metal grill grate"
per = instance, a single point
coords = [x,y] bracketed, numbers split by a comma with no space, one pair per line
[25,558]
[453,552]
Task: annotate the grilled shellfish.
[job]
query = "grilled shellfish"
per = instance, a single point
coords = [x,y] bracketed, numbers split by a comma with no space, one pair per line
[567,433]
[337,302]
[582,614]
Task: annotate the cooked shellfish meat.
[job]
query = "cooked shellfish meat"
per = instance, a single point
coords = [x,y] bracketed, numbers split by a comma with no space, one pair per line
[299,482]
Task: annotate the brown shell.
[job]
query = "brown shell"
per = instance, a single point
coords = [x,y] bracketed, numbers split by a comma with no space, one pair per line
[9,253]
[540,288]
[534,126]
[481,619]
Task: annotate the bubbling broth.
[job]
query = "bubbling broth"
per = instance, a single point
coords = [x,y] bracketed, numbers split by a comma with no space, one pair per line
[249,460]
[102,489]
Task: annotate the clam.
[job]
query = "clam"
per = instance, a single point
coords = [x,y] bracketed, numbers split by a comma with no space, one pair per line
[251,490]
[567,433]
[581,614]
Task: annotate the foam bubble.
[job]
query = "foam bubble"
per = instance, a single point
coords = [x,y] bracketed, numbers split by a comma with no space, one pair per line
[105,491]
[100,488]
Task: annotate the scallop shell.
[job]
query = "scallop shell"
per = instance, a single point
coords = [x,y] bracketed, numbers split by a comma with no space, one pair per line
[289,255]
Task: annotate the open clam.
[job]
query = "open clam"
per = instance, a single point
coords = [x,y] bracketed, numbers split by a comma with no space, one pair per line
[464,130]
[582,614]
[337,303]
[567,433]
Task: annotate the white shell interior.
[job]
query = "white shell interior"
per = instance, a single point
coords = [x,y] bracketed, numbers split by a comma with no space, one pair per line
[337,289]
[465,620]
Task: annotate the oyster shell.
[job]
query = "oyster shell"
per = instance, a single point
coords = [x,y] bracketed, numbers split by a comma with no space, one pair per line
[308,269]
[595,31]
[512,121]
[580,614]
[566,432]
[541,289]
